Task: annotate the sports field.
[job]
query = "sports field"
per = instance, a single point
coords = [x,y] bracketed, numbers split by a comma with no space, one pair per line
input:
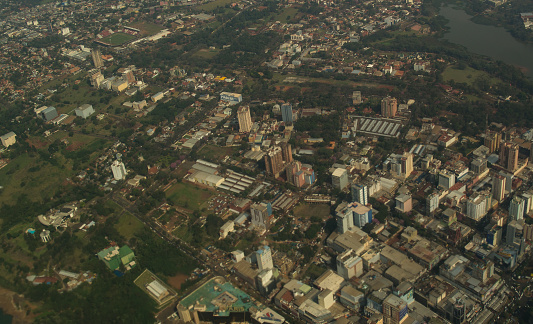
[117,39]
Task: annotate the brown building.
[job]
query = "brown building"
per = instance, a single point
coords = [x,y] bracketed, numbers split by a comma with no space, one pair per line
[274,161]
[492,141]
[509,156]
[498,187]
[389,107]
[286,152]
[245,121]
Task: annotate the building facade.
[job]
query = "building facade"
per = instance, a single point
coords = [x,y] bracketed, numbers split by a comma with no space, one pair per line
[245,121]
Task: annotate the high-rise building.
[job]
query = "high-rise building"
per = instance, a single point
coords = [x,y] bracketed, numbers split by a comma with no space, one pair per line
[479,165]
[407,164]
[476,207]
[446,179]
[245,121]
[260,214]
[498,187]
[360,193]
[458,312]
[389,107]
[516,208]
[394,310]
[97,58]
[356,98]
[349,264]
[119,170]
[494,236]
[528,202]
[286,113]
[339,178]
[294,172]
[492,141]
[274,161]
[354,214]
[509,156]
[432,202]
[96,78]
[286,152]
[514,229]
[127,74]
[264,258]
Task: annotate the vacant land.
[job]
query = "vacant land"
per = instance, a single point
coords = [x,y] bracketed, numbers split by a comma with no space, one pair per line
[215,153]
[210,6]
[188,195]
[467,75]
[206,53]
[128,225]
[117,39]
[147,29]
[308,210]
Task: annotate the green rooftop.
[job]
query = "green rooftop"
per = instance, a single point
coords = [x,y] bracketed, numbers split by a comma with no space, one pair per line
[219,296]
[124,255]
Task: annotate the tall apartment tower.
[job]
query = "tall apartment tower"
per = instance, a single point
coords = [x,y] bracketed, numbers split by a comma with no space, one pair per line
[389,107]
[509,156]
[286,113]
[119,170]
[492,141]
[360,193]
[407,164]
[245,121]
[264,258]
[498,187]
[261,214]
[356,98]
[432,202]
[97,58]
[274,161]
[286,152]
[516,208]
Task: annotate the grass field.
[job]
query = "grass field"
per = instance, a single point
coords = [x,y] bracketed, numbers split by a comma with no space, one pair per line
[183,233]
[468,75]
[289,12]
[307,210]
[128,225]
[210,6]
[188,195]
[117,39]
[215,153]
[207,53]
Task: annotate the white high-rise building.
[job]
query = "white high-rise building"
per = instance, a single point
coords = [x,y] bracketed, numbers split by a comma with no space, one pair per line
[264,258]
[360,193]
[476,207]
[119,170]
[516,208]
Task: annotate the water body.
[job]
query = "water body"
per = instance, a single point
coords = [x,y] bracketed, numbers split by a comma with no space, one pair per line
[491,41]
[5,318]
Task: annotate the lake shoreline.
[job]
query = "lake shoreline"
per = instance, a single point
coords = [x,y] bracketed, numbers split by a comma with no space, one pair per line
[9,306]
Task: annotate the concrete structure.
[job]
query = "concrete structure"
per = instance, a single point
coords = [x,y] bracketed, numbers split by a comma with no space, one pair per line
[97,58]
[84,111]
[479,165]
[261,214]
[228,227]
[513,229]
[286,152]
[157,290]
[509,156]
[389,107]
[404,203]
[432,202]
[492,141]
[395,310]
[274,161]
[286,113]
[498,187]
[245,121]
[356,97]
[354,214]
[516,208]
[476,206]
[264,258]
[231,98]
[446,179]
[119,170]
[399,165]
[349,265]
[339,178]
[8,139]
[360,193]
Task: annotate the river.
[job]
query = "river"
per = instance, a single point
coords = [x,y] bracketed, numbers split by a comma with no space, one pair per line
[491,41]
